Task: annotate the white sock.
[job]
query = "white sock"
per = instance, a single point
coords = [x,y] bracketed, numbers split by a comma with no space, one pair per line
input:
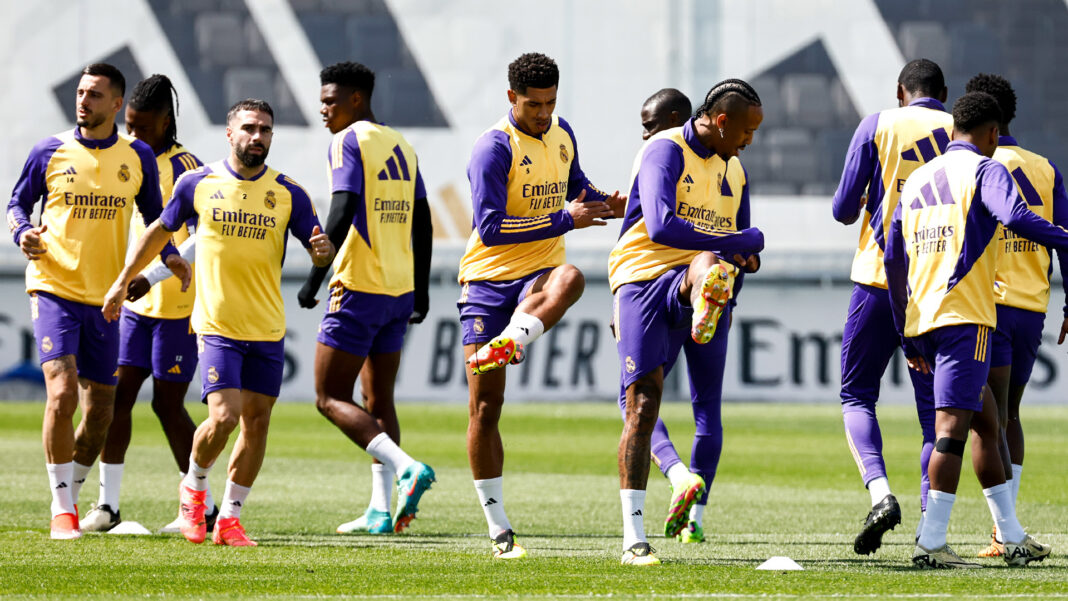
[936,519]
[1017,472]
[919,525]
[110,482]
[524,328]
[633,520]
[197,478]
[233,500]
[879,488]
[697,514]
[387,452]
[677,474]
[59,477]
[78,479]
[999,499]
[381,487]
[491,497]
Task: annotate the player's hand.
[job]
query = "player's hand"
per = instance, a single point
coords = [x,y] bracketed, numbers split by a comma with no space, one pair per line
[113,299]
[749,264]
[138,287]
[322,250]
[31,244]
[306,296]
[618,203]
[421,307]
[919,364]
[585,214]
[181,269]
[1064,331]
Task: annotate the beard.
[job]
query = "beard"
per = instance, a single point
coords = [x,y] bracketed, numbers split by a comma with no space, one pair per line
[251,160]
[90,121]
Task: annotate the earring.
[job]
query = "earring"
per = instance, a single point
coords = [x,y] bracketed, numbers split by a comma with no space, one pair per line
[721,132]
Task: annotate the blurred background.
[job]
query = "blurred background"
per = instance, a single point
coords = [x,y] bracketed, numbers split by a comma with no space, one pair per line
[819,67]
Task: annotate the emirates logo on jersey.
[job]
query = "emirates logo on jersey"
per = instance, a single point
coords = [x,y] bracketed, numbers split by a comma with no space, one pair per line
[124,173]
[268,201]
[563,153]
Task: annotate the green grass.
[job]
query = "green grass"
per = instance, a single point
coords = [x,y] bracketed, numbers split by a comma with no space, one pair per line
[786,486]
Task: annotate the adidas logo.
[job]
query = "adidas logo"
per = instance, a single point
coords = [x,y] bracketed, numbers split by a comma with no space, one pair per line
[82,481]
[396,166]
[637,513]
[176,370]
[218,195]
[61,485]
[201,477]
[526,331]
[687,179]
[490,501]
[236,503]
[70,171]
[526,161]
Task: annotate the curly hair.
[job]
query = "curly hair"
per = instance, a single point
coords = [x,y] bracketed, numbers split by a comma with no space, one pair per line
[156,93]
[349,75]
[975,109]
[532,70]
[998,87]
[922,76]
[724,94]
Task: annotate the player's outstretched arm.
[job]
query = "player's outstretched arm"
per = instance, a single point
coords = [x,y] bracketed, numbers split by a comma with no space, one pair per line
[588,213]
[999,195]
[861,158]
[151,243]
[144,281]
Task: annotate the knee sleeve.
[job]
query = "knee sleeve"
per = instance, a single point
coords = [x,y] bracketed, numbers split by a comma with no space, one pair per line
[950,446]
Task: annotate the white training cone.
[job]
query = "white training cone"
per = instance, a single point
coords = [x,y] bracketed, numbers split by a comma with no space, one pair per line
[129,528]
[779,563]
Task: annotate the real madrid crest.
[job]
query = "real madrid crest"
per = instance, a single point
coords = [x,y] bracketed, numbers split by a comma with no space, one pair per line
[630,365]
[124,173]
[268,200]
[479,325]
[46,344]
[563,153]
[213,375]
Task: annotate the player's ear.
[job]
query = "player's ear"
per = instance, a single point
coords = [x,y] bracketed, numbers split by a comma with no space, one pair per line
[513,98]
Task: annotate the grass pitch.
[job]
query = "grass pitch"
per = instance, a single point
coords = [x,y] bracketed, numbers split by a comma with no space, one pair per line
[786,486]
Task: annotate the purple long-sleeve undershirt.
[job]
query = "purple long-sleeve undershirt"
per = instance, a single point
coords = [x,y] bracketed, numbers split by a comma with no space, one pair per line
[658,177]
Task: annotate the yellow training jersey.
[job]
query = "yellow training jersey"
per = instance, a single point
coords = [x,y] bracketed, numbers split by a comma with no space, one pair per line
[519,184]
[1021,278]
[378,164]
[886,149]
[166,300]
[241,243]
[89,189]
[698,187]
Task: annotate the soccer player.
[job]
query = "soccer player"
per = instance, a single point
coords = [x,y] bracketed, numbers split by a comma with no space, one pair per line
[1021,283]
[663,110]
[154,333]
[683,208]
[515,284]
[243,210]
[886,148]
[380,222]
[940,265]
[89,178]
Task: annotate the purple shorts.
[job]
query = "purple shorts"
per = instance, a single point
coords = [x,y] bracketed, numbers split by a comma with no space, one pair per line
[64,327]
[360,323]
[486,307]
[166,346]
[959,356]
[1016,341]
[646,313]
[241,364]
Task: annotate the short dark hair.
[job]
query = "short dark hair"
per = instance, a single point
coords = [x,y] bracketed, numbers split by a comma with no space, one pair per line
[922,76]
[349,75]
[725,95]
[532,70]
[156,93]
[975,109]
[998,87]
[670,100]
[118,82]
[249,104]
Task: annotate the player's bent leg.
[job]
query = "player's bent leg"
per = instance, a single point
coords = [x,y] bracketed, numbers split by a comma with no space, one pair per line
[168,403]
[335,378]
[710,286]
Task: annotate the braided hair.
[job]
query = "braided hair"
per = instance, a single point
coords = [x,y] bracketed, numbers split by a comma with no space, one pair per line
[725,93]
[157,93]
